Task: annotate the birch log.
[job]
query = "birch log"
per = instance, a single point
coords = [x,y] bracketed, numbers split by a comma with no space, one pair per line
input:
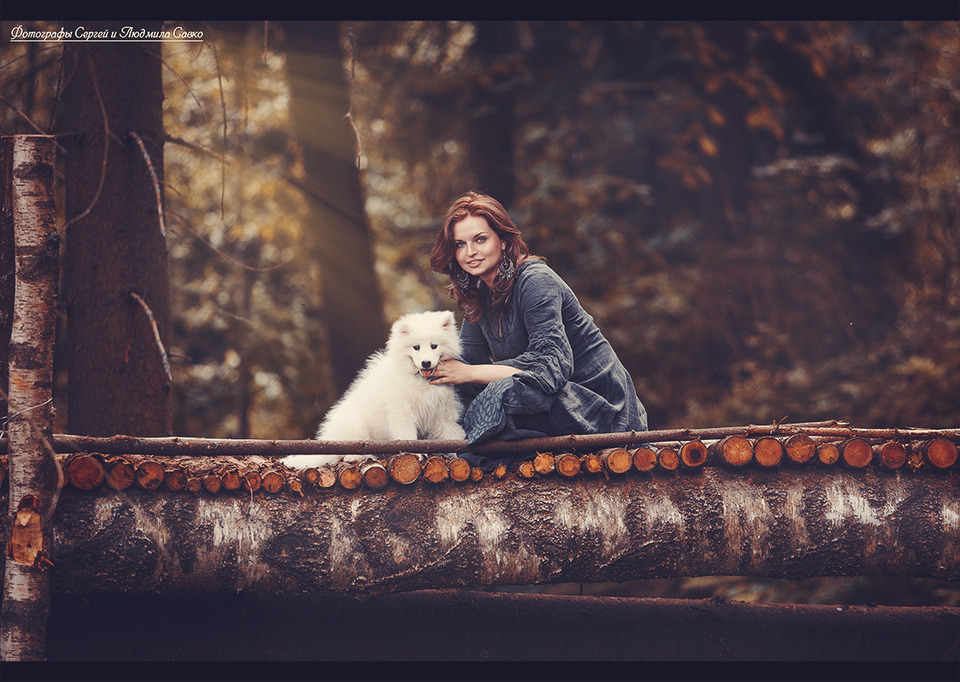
[783,523]
[26,597]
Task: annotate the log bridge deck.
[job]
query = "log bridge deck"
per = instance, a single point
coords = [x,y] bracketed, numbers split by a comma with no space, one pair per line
[781,501]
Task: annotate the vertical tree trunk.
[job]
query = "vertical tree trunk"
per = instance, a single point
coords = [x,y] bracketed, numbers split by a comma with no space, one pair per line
[114,244]
[26,593]
[339,235]
[6,262]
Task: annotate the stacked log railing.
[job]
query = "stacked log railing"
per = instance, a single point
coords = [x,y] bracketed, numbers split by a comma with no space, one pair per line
[201,466]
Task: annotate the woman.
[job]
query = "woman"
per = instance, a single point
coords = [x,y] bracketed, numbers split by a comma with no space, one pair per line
[535,364]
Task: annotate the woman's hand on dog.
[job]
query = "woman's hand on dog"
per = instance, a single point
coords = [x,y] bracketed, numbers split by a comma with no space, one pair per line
[456,372]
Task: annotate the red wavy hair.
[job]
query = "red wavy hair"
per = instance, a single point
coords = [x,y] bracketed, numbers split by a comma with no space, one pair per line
[472,299]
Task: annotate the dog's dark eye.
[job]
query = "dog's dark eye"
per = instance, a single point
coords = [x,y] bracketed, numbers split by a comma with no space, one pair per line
[417,347]
[433,346]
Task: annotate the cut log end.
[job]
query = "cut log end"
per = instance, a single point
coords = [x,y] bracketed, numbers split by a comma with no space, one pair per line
[230,479]
[941,453]
[294,485]
[734,451]
[174,480]
[349,476]
[120,474]
[459,469]
[591,463]
[405,468]
[525,469]
[616,460]
[273,481]
[211,483]
[568,464]
[693,455]
[374,475]
[828,454]
[891,455]
[149,474]
[252,480]
[310,475]
[435,469]
[644,459]
[856,453]
[768,452]
[800,448]
[668,459]
[85,472]
[545,463]
[326,478]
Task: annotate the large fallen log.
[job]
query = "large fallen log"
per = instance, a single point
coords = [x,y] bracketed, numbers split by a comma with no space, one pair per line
[788,523]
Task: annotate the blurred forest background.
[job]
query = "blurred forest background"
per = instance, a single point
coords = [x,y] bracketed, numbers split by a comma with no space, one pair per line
[763,217]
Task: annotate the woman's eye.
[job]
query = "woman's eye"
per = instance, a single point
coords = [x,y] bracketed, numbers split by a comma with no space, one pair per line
[481,240]
[457,245]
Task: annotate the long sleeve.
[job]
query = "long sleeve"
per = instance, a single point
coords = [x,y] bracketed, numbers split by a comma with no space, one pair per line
[548,358]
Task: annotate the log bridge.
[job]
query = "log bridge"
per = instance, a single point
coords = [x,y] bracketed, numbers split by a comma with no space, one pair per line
[789,501]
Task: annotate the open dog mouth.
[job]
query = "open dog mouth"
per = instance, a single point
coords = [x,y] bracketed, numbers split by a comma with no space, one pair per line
[427,373]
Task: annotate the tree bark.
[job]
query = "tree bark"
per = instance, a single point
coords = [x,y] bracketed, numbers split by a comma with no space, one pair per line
[114,240]
[492,116]
[7,264]
[339,235]
[26,593]
[785,523]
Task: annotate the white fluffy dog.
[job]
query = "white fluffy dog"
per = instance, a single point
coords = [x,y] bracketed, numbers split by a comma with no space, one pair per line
[392,397]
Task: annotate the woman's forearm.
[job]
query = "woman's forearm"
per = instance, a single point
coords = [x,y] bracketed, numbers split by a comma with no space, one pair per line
[486,374]
[456,372]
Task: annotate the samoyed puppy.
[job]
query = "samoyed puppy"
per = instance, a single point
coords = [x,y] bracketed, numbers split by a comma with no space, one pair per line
[392,397]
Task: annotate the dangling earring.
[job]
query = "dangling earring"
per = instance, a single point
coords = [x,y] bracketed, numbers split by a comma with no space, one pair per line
[507,268]
[463,279]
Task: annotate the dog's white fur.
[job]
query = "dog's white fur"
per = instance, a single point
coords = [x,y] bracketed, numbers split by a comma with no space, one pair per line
[392,397]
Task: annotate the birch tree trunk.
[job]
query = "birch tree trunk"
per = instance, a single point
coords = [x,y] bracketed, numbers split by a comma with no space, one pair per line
[7,266]
[26,597]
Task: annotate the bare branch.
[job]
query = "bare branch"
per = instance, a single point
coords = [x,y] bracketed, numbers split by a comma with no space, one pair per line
[156,182]
[181,445]
[156,333]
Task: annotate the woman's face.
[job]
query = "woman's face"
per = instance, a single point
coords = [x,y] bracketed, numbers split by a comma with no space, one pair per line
[478,248]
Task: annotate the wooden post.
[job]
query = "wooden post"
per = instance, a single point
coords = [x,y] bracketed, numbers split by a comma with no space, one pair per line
[26,589]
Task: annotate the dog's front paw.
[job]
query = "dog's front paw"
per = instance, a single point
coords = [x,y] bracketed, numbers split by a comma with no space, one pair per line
[308,461]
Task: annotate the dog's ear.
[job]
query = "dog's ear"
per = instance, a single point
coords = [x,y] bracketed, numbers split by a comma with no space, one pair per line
[448,319]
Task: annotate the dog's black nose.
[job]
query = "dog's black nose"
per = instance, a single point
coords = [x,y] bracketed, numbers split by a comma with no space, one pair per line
[425,364]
